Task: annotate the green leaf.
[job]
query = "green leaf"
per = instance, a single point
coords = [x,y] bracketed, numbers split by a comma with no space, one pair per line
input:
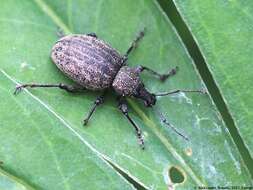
[42,139]
[223,31]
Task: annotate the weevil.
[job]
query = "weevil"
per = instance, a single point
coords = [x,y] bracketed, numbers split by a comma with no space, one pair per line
[94,65]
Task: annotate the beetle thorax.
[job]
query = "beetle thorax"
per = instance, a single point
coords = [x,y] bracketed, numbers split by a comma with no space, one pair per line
[126,81]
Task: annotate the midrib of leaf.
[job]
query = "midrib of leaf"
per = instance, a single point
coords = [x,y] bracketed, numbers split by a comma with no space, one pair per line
[17,180]
[57,20]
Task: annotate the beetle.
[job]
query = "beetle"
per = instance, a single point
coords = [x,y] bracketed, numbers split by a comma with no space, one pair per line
[94,65]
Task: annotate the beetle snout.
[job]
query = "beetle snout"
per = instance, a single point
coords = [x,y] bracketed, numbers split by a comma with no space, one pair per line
[150,100]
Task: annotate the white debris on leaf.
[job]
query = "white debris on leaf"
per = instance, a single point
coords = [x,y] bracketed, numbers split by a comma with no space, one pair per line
[24,65]
[198,120]
[182,97]
[166,176]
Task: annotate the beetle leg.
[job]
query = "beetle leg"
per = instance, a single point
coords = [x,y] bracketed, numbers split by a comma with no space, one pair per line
[98,101]
[135,42]
[92,35]
[201,91]
[166,122]
[68,88]
[60,32]
[161,77]
[124,109]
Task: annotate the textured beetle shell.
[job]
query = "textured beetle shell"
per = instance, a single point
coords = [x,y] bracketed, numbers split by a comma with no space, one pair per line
[126,81]
[88,61]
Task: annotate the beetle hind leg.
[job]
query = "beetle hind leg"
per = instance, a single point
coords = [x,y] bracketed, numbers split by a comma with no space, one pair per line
[68,88]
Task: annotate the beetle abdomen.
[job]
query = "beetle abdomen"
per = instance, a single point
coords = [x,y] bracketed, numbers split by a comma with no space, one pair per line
[88,61]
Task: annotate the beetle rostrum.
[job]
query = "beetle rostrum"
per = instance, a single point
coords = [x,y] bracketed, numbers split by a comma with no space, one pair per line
[94,65]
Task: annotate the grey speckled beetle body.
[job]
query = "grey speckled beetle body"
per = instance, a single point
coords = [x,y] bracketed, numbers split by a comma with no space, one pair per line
[93,64]
[87,60]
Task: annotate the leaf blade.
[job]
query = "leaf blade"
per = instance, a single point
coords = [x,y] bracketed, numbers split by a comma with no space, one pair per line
[113,137]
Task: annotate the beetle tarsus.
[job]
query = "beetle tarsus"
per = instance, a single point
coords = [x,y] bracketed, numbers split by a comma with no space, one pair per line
[172,72]
[140,140]
[135,42]
[18,89]
[85,121]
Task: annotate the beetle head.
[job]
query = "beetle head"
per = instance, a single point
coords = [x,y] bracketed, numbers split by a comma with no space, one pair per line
[148,98]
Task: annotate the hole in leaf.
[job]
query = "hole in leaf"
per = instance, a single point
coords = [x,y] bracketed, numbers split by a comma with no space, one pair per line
[176,175]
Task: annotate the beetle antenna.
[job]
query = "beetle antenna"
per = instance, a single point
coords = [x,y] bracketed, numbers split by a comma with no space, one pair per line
[202,91]
[165,121]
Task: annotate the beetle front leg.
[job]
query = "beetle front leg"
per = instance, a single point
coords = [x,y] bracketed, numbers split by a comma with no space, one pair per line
[201,91]
[161,77]
[124,109]
[135,43]
[68,88]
